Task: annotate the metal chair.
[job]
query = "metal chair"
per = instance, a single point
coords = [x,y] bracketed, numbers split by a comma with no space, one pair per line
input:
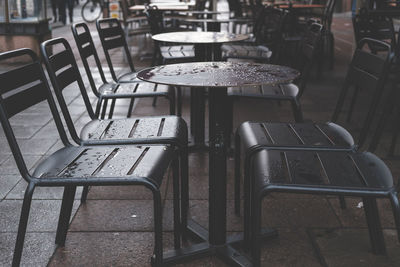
[285,92]
[267,31]
[164,54]
[367,71]
[114,90]
[24,86]
[171,130]
[357,174]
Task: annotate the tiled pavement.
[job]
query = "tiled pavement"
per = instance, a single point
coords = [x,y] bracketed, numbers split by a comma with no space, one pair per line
[114,227]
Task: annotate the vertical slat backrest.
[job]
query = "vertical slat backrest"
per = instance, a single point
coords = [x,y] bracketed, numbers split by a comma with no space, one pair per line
[310,46]
[269,30]
[379,27]
[63,71]
[86,48]
[112,36]
[22,87]
[155,19]
[367,71]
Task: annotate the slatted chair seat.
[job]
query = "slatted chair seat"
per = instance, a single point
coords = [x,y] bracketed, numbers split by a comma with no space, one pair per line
[139,89]
[25,85]
[259,52]
[339,173]
[330,171]
[156,129]
[126,85]
[283,91]
[107,164]
[327,135]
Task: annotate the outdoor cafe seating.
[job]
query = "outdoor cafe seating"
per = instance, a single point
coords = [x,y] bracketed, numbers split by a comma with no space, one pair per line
[340,159]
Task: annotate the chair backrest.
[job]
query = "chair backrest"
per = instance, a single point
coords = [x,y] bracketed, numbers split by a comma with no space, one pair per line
[21,87]
[155,19]
[63,72]
[86,48]
[374,26]
[367,71]
[268,28]
[328,13]
[125,10]
[310,47]
[112,36]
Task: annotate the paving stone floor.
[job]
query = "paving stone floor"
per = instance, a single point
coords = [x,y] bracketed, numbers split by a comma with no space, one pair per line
[114,227]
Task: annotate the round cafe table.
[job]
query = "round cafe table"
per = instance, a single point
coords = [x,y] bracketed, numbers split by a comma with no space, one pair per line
[207,47]
[216,76]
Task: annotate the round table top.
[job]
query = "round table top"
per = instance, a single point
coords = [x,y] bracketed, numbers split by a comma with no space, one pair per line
[192,37]
[218,74]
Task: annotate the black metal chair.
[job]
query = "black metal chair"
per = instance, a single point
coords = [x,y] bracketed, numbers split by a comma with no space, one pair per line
[367,71]
[164,54]
[267,30]
[171,130]
[114,90]
[285,92]
[360,174]
[24,86]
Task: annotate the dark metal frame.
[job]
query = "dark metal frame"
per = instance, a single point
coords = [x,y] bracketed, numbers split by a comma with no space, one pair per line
[339,138]
[25,86]
[378,183]
[64,58]
[86,50]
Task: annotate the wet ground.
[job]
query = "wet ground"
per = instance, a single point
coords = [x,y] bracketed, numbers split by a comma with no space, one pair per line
[114,227]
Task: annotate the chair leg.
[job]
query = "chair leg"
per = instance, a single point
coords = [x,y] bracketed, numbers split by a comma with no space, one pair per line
[85,192]
[229,124]
[65,214]
[130,107]
[98,106]
[352,103]
[396,212]
[237,174]
[104,109]
[256,230]
[154,101]
[374,225]
[248,196]
[332,50]
[23,222]
[172,105]
[298,114]
[112,107]
[184,186]
[158,251]
[395,134]
[342,202]
[179,101]
[176,201]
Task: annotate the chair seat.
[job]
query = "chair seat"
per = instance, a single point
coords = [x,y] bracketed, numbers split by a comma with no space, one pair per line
[283,91]
[327,171]
[106,164]
[246,51]
[294,136]
[157,129]
[177,51]
[138,89]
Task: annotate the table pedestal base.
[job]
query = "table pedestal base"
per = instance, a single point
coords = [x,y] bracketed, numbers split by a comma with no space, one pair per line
[226,252]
